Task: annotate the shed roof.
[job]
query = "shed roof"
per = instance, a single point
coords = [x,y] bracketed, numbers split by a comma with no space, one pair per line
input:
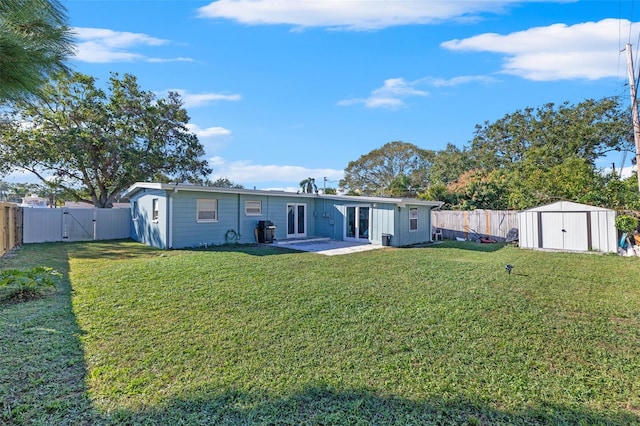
[566,206]
[176,187]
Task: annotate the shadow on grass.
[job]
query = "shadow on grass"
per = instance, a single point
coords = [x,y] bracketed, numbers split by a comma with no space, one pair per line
[250,249]
[130,249]
[42,366]
[110,250]
[323,405]
[464,245]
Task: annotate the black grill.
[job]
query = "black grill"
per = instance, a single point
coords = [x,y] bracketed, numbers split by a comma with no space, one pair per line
[265,231]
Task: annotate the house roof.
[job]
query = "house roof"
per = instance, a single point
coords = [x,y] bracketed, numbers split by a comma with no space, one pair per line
[176,187]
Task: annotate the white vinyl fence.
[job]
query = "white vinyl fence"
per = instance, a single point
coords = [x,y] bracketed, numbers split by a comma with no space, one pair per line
[50,225]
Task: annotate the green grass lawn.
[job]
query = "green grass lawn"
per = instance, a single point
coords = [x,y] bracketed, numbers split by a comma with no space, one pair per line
[261,335]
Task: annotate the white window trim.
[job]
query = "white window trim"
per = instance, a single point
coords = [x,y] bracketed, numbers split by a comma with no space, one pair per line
[203,201]
[413,209]
[155,210]
[134,212]
[257,208]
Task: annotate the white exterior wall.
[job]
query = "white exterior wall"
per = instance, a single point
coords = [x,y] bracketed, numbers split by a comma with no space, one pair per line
[568,226]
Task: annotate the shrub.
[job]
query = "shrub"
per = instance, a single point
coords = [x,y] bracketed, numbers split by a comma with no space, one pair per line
[28,284]
[626,223]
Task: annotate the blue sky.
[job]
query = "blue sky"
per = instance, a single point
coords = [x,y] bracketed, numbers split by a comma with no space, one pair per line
[282,90]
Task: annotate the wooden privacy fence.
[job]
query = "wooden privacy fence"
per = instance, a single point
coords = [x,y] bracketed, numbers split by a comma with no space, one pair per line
[49,225]
[500,225]
[11,227]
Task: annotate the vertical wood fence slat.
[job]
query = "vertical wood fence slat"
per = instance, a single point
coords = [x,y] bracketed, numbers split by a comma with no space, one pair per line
[10,227]
[472,225]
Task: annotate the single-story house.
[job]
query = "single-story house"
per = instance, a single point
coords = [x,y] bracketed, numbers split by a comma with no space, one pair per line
[565,225]
[183,215]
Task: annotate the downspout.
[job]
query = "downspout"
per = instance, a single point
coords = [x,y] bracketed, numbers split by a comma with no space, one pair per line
[170,218]
[238,219]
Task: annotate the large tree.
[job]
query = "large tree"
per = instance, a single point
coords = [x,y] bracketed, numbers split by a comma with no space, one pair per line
[448,164]
[550,134]
[397,167]
[223,182]
[536,156]
[96,143]
[34,43]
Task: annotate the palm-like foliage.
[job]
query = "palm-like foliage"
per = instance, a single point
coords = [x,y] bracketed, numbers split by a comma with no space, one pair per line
[34,43]
[308,186]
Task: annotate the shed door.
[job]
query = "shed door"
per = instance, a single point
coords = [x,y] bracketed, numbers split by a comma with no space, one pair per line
[576,233]
[552,235]
[565,231]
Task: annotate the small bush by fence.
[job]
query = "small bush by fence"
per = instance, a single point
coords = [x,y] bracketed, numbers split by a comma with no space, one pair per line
[494,224]
[10,227]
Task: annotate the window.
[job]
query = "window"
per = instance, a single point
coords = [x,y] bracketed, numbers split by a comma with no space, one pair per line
[207,211]
[156,209]
[253,208]
[413,219]
[134,213]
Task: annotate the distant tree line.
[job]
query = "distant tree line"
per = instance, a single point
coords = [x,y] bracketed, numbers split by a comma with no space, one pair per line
[530,157]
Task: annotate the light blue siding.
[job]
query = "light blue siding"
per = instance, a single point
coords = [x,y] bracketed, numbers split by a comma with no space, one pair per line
[188,232]
[177,225]
[144,229]
[232,218]
[382,222]
[327,219]
[278,214]
[406,237]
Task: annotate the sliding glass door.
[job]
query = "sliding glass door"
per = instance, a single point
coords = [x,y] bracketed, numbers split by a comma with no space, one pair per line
[296,220]
[357,223]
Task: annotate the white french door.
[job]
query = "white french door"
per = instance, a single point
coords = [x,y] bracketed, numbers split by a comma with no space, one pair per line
[296,220]
[356,226]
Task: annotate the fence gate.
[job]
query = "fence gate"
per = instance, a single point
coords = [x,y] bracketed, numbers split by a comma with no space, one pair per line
[78,225]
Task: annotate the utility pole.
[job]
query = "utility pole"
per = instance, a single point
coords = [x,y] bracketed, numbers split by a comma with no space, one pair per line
[634,109]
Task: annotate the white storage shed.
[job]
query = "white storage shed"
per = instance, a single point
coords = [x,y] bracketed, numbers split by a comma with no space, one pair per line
[569,226]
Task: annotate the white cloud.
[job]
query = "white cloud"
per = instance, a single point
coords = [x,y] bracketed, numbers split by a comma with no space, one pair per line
[395,90]
[213,139]
[192,100]
[391,95]
[351,15]
[626,172]
[209,132]
[101,45]
[248,174]
[463,79]
[589,50]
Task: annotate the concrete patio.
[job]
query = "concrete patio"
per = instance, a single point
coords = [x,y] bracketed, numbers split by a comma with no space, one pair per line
[326,246]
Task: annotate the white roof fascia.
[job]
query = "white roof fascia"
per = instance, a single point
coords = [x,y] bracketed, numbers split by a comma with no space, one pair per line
[197,188]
